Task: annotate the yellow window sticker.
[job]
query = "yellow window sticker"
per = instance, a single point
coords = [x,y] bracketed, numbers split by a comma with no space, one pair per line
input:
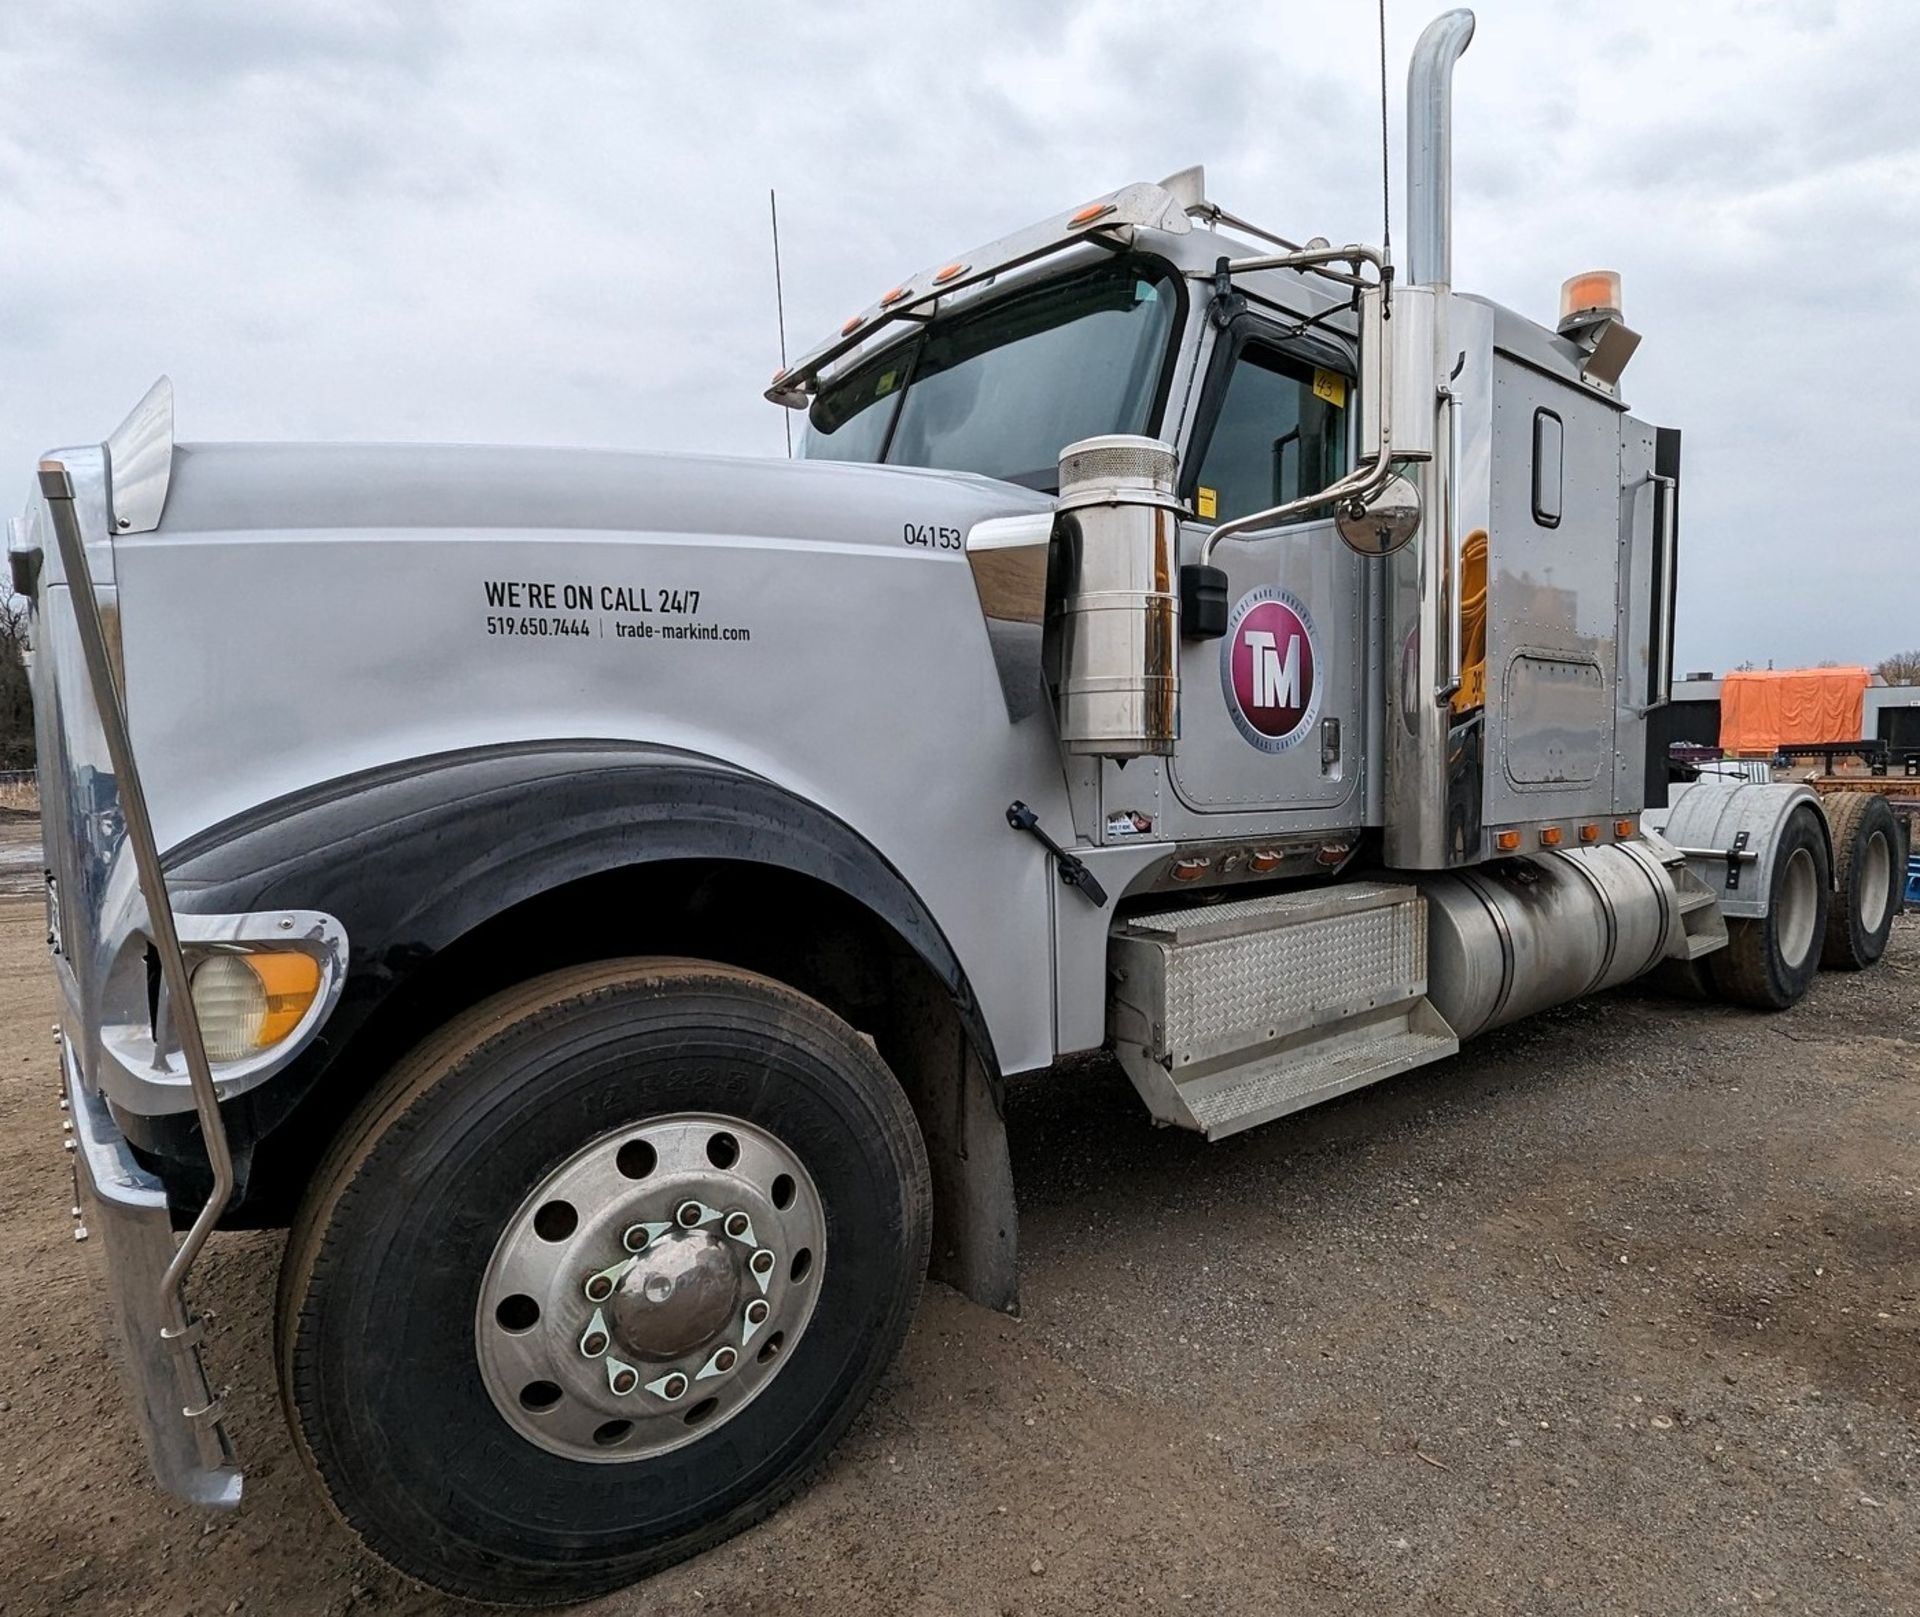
[890,377]
[1206,501]
[1331,386]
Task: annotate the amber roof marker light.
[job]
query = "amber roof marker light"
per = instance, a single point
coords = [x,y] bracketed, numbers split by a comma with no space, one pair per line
[1588,296]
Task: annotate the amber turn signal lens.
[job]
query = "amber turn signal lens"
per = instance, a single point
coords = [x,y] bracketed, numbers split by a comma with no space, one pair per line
[1507,841]
[1589,833]
[1550,837]
[1623,828]
[247,1003]
[1190,869]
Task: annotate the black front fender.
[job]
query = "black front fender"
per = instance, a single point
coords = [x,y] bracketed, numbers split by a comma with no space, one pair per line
[414,857]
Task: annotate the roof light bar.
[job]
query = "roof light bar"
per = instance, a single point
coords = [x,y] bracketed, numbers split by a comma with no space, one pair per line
[1147,206]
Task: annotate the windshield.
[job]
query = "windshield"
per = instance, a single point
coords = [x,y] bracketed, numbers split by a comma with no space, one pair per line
[1003,389]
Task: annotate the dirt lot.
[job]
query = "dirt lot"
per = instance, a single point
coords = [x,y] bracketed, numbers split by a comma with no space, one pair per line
[1619,1312]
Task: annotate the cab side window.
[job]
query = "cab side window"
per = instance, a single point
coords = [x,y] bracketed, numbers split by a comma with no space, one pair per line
[1281,434]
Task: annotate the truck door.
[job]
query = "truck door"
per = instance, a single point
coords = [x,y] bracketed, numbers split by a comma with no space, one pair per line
[1269,714]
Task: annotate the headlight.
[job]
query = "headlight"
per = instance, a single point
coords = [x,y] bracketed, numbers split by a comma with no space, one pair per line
[249,1002]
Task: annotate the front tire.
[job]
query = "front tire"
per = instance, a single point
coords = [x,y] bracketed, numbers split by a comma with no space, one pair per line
[1867,870]
[1769,962]
[457,1384]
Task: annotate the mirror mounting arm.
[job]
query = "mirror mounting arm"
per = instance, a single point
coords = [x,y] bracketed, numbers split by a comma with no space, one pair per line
[1368,479]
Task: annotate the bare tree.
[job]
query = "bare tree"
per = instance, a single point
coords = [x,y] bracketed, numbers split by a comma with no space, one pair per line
[16,702]
[1902,668]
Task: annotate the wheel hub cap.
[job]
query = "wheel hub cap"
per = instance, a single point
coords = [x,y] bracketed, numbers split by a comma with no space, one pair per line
[650,1287]
[680,1294]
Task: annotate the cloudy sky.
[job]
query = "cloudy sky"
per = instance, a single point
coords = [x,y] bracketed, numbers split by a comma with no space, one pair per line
[547,222]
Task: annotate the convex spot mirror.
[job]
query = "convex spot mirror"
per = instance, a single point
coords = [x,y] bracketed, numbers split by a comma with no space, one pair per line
[1384,523]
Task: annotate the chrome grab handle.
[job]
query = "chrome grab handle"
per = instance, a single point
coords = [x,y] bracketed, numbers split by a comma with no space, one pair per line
[180,1331]
[1660,639]
[1448,598]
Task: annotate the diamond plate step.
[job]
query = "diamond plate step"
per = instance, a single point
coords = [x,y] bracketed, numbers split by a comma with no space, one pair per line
[1227,1015]
[1701,919]
[1699,898]
[1270,1087]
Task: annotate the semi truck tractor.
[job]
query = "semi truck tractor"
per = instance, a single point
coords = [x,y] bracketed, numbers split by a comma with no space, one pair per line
[595,900]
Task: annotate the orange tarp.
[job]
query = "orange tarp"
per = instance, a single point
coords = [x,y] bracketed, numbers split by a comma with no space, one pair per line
[1761,709]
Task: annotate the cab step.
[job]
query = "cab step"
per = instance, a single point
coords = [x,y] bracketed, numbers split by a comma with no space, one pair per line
[1703,925]
[1230,1014]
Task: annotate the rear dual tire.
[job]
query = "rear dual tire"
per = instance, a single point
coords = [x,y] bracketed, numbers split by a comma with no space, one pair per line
[1868,871]
[1771,960]
[385,1309]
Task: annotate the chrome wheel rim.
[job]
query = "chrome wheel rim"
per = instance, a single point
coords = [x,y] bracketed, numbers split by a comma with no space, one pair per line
[1799,902]
[1874,882]
[650,1287]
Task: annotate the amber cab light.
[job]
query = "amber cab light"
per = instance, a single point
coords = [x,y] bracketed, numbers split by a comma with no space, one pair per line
[1589,833]
[1507,841]
[1550,837]
[1623,828]
[1595,292]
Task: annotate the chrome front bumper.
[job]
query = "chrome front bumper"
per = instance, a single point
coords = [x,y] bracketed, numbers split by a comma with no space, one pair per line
[126,1208]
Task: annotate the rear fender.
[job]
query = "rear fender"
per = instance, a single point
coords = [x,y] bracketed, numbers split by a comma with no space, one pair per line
[1708,820]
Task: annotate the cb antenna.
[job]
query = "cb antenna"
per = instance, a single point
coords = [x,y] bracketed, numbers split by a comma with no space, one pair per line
[1386,184]
[780,301]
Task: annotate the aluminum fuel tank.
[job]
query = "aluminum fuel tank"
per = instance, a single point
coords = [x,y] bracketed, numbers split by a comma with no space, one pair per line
[1519,935]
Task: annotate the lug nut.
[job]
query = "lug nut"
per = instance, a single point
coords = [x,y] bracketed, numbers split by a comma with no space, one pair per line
[675,1386]
[688,1214]
[624,1381]
[757,1311]
[738,1224]
[761,1262]
[599,1289]
[725,1359]
[636,1238]
[593,1344]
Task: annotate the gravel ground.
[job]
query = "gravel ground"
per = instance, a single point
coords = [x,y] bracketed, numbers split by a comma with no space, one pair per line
[1617,1312]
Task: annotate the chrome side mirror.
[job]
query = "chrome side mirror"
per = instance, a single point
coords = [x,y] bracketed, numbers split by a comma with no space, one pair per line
[1383,524]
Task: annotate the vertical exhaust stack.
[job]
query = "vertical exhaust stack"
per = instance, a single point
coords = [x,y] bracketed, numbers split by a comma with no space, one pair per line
[1424,831]
[1430,148]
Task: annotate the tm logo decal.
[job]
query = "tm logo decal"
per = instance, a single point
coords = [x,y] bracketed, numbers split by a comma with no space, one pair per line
[1269,665]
